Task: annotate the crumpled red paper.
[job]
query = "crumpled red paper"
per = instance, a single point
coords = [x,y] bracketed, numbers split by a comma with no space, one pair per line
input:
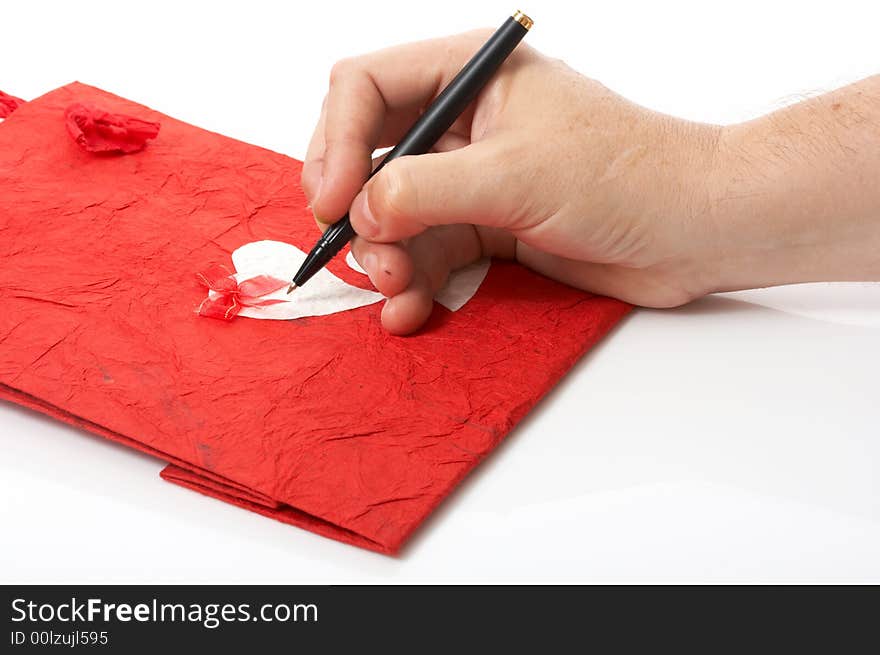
[327,422]
[97,130]
[8,104]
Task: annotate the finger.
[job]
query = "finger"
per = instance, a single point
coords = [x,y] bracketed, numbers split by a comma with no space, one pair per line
[474,185]
[441,250]
[388,265]
[322,225]
[451,141]
[407,311]
[371,102]
[310,177]
[435,254]
[355,115]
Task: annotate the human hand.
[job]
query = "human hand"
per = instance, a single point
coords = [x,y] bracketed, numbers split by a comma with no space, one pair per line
[547,167]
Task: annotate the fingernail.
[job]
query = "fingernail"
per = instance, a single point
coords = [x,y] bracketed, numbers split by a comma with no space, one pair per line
[367,223]
[370,262]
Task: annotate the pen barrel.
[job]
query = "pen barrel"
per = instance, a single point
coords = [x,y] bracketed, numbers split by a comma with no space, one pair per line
[459,93]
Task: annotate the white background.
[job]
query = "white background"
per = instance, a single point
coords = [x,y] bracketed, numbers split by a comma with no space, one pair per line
[735,439]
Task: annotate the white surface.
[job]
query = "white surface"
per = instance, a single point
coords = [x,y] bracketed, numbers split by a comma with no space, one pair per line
[735,439]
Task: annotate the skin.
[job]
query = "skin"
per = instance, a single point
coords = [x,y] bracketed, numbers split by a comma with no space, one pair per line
[553,170]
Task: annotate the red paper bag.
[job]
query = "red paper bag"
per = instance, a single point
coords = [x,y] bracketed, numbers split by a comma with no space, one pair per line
[325,422]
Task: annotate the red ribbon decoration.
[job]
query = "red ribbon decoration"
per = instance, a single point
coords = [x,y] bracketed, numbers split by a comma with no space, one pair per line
[96,130]
[8,104]
[232,294]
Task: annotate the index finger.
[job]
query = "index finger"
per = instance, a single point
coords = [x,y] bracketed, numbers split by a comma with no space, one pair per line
[372,100]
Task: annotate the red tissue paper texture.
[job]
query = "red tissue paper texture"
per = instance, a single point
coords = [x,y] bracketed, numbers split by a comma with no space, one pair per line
[326,422]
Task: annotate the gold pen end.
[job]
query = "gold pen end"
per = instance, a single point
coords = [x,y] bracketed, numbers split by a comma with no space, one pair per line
[291,288]
[523,20]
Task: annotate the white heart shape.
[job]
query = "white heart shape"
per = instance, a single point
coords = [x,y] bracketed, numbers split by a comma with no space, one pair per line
[324,294]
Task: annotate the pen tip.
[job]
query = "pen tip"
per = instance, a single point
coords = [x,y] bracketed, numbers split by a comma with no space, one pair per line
[291,287]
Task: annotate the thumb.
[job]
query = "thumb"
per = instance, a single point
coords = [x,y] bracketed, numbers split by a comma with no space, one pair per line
[468,185]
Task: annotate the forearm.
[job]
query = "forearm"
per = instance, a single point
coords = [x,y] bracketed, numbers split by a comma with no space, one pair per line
[796,193]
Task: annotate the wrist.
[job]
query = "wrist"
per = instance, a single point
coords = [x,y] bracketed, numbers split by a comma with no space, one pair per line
[691,199]
[763,212]
[793,199]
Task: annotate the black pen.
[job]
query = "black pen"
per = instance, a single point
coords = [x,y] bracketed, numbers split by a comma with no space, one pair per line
[432,124]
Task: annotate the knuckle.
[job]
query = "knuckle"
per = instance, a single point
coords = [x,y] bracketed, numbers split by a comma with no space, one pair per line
[462,46]
[341,69]
[478,35]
